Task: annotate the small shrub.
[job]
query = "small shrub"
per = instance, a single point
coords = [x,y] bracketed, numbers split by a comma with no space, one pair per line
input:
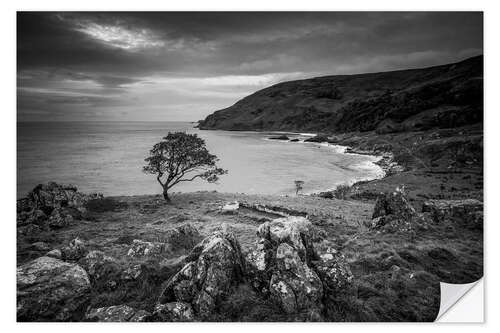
[299,185]
[342,191]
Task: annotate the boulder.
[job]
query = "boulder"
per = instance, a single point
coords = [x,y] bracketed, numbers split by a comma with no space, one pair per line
[296,231]
[30,230]
[285,265]
[230,208]
[132,273]
[213,267]
[279,137]
[98,265]
[183,237]
[40,246]
[75,250]
[59,195]
[294,285]
[117,313]
[150,249]
[55,253]
[50,289]
[140,316]
[394,203]
[174,311]
[317,138]
[334,271]
[59,218]
[467,213]
[36,216]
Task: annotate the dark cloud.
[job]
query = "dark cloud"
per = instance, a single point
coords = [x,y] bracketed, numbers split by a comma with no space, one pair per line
[114,60]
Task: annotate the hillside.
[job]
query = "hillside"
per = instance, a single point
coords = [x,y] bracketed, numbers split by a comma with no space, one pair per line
[445,96]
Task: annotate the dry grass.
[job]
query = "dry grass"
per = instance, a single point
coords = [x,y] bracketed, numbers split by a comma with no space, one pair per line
[381,292]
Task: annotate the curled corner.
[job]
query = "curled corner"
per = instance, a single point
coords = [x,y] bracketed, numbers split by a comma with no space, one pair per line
[451,294]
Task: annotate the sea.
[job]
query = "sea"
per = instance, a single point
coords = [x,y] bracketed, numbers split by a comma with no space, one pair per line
[108,157]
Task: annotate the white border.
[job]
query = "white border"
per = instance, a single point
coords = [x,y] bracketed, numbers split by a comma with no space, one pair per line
[8,149]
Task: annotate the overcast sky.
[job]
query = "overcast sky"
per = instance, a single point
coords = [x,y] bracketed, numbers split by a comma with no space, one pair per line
[184,66]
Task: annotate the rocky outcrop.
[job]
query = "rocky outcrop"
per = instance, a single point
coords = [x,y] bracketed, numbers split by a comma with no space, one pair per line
[173,312]
[98,265]
[279,137]
[394,213]
[467,213]
[285,265]
[317,139]
[75,250]
[213,267]
[144,248]
[230,208]
[184,237]
[59,218]
[294,285]
[394,203]
[117,313]
[50,206]
[50,289]
[52,195]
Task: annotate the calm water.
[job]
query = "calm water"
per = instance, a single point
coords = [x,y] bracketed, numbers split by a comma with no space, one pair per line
[108,158]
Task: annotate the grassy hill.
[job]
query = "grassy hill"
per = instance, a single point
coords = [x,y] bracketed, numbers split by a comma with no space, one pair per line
[445,96]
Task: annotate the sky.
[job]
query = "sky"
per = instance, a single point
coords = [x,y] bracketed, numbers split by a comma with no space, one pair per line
[182,66]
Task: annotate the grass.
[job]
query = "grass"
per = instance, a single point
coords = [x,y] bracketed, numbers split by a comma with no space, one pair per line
[381,292]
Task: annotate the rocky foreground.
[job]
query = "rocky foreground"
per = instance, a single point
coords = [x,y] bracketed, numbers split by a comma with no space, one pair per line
[236,257]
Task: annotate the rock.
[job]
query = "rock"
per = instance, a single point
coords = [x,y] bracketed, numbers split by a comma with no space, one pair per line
[40,246]
[132,273]
[115,313]
[50,289]
[279,137]
[294,285]
[36,216]
[30,231]
[182,237]
[297,231]
[334,271]
[98,265]
[392,223]
[394,203]
[59,218]
[51,205]
[394,213]
[230,208]
[317,138]
[23,205]
[47,197]
[285,264]
[258,261]
[55,253]
[174,311]
[213,267]
[140,316]
[75,251]
[467,213]
[143,248]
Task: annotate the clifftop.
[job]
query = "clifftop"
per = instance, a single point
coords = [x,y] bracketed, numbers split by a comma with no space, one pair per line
[443,96]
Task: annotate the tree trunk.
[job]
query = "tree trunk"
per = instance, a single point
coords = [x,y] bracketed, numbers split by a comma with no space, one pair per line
[165,195]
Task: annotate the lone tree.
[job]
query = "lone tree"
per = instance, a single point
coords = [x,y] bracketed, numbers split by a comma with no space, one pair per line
[181,157]
[299,185]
